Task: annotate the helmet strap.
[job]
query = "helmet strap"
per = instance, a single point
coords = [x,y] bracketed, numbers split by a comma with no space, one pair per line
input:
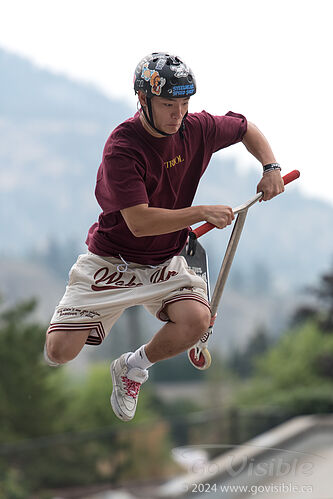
[150,119]
[182,127]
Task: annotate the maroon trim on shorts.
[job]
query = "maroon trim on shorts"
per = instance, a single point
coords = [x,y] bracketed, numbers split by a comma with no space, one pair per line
[180,298]
[91,340]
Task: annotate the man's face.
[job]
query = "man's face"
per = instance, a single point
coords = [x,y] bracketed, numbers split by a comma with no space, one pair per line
[169,113]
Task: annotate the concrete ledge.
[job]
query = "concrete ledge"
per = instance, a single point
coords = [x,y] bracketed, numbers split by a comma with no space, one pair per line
[218,469]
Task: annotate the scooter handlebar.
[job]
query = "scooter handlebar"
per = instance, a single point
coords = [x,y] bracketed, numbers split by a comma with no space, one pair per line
[206,227]
[291,176]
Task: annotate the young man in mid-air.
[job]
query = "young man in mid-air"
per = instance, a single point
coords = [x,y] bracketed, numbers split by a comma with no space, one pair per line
[150,170]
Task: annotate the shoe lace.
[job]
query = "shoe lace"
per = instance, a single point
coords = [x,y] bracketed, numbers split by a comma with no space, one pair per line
[132,387]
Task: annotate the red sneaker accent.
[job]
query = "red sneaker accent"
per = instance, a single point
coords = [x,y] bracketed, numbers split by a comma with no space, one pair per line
[132,387]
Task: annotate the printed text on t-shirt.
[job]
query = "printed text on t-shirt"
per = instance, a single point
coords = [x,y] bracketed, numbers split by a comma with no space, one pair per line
[175,161]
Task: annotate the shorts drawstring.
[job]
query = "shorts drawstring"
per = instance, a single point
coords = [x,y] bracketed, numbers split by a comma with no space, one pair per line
[120,267]
[123,267]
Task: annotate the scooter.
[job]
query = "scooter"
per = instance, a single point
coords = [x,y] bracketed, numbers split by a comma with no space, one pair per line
[196,258]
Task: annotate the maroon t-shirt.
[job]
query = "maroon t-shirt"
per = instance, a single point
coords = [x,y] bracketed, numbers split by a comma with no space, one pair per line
[138,168]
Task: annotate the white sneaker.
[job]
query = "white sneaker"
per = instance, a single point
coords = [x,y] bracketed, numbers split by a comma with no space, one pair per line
[127,382]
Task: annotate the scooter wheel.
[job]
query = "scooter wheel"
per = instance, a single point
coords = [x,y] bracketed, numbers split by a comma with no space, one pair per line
[204,360]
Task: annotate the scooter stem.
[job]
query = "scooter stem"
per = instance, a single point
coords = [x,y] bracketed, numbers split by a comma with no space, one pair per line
[227,260]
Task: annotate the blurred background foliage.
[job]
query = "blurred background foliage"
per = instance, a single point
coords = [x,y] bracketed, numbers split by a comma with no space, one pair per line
[57,428]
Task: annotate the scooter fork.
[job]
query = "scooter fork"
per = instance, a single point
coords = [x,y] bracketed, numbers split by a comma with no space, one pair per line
[199,355]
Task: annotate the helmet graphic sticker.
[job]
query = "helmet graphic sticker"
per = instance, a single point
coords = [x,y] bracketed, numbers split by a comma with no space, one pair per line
[180,71]
[156,81]
[183,90]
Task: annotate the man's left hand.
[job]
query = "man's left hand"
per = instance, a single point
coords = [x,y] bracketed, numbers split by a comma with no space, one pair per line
[270,185]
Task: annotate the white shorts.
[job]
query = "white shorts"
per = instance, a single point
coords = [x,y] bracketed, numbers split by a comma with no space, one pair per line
[101,288]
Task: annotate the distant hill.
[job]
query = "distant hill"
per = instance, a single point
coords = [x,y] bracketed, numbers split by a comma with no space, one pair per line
[52,132]
[29,93]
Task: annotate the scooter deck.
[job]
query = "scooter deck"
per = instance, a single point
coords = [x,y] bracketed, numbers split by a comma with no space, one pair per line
[198,262]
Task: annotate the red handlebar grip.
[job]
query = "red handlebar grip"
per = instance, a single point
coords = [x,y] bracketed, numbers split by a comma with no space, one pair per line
[202,229]
[290,177]
[206,227]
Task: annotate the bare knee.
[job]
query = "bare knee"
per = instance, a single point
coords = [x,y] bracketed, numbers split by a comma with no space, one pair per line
[194,321]
[58,352]
[64,346]
[198,324]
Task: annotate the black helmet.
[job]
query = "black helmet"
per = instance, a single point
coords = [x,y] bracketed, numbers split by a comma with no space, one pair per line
[164,75]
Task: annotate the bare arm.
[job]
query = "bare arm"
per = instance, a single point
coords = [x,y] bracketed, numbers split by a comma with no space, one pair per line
[256,143]
[143,220]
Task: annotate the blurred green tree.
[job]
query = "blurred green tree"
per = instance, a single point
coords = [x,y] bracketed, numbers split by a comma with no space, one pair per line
[28,400]
[242,361]
[322,310]
[291,375]
[58,430]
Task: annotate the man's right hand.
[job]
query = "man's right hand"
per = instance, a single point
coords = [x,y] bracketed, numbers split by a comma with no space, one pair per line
[143,220]
[219,215]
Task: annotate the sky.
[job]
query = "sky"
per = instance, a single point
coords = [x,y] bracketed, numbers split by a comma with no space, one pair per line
[269,60]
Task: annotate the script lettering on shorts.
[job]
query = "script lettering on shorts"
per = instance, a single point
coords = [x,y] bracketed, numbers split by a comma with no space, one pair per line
[161,275]
[105,280]
[77,312]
